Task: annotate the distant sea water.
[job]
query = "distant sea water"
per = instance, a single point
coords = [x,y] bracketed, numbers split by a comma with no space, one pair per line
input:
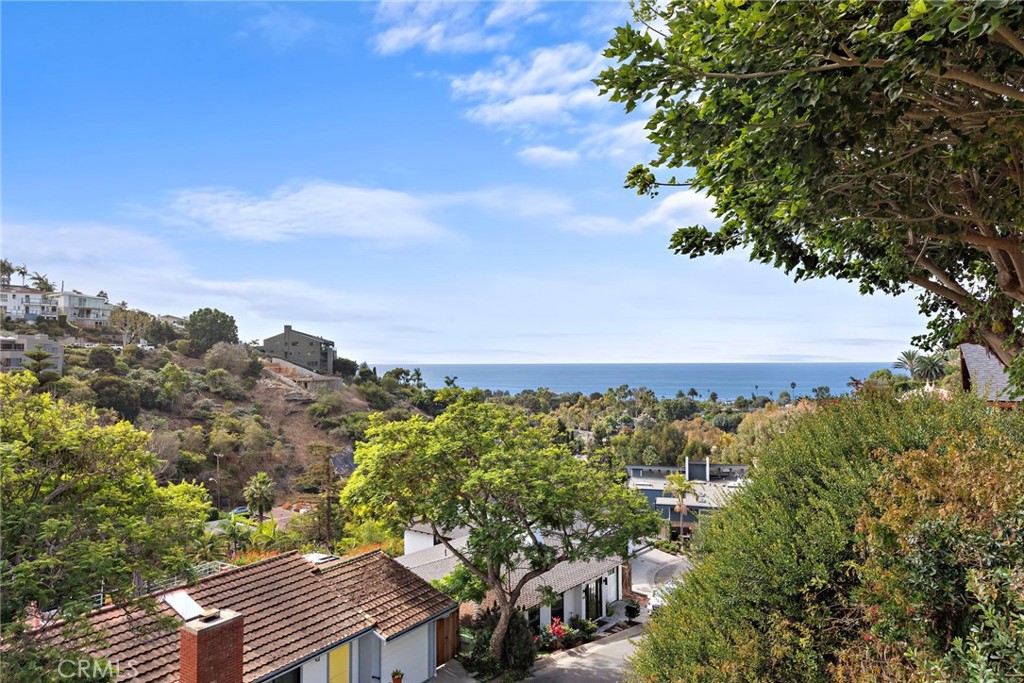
[728,380]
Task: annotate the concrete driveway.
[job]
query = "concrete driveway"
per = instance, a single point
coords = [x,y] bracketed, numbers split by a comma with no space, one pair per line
[601,662]
[654,567]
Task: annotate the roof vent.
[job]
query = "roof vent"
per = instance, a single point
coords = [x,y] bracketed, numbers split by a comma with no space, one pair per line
[319,558]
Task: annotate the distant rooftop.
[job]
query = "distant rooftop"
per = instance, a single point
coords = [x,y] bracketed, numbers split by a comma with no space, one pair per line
[984,374]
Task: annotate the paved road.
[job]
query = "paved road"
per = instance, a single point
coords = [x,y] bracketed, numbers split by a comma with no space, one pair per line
[653,567]
[600,662]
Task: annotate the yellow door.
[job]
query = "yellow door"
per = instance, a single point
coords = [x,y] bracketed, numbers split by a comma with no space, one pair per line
[338,665]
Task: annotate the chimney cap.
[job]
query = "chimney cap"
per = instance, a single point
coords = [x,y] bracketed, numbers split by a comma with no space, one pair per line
[210,618]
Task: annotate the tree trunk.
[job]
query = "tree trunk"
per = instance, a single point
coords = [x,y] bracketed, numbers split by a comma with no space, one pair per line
[498,637]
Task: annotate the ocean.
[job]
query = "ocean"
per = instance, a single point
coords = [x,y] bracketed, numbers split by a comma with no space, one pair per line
[728,380]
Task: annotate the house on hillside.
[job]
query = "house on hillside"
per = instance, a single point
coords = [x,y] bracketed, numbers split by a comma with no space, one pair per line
[84,310]
[712,483]
[26,304]
[305,350]
[287,619]
[985,375]
[13,349]
[584,589]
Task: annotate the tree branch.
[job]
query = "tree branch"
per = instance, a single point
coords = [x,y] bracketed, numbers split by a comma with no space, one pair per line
[1010,38]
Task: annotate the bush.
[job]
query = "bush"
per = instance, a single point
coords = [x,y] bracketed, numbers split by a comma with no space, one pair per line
[224,356]
[774,588]
[375,396]
[519,653]
[118,394]
[224,384]
[102,358]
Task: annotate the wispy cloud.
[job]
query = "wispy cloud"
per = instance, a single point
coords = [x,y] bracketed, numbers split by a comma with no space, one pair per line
[450,26]
[545,155]
[282,27]
[545,88]
[315,208]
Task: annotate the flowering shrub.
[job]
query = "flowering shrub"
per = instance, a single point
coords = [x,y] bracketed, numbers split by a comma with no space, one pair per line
[558,635]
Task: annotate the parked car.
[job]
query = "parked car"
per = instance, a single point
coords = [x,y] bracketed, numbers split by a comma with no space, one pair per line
[661,593]
[243,510]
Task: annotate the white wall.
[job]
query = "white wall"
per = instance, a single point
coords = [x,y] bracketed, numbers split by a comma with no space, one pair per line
[545,615]
[408,652]
[417,540]
[573,602]
[315,670]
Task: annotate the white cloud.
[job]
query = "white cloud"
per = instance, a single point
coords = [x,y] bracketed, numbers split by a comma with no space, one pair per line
[511,11]
[547,88]
[544,155]
[315,208]
[449,26]
[280,26]
[627,140]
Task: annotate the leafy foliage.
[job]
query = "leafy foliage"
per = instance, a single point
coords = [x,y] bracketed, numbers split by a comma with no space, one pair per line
[82,508]
[207,326]
[876,142]
[775,592]
[528,502]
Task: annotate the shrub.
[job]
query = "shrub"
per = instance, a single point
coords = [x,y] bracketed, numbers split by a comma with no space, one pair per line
[118,394]
[519,653]
[773,592]
[224,384]
[375,396]
[102,358]
[224,356]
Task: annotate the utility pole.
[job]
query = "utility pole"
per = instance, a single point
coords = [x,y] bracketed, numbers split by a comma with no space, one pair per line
[218,456]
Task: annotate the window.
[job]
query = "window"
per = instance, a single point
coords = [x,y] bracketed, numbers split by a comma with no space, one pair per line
[290,677]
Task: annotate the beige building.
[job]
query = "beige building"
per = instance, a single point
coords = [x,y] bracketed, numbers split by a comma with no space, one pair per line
[84,310]
[13,349]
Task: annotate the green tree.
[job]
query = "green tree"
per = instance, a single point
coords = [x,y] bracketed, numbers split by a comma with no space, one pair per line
[6,271]
[207,326]
[876,142]
[82,512]
[42,283]
[40,366]
[679,486]
[932,367]
[160,332]
[346,368]
[910,361]
[117,394]
[259,494]
[102,358]
[131,324]
[527,500]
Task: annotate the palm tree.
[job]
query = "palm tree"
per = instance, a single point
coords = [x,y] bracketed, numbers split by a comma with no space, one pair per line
[42,283]
[22,272]
[678,486]
[259,494]
[213,545]
[909,361]
[6,271]
[931,368]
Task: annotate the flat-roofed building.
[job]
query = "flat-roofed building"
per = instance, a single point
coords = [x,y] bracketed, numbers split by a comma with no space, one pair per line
[14,347]
[27,304]
[305,350]
[84,310]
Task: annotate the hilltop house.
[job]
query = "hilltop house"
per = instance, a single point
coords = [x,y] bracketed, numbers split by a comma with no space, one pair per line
[985,375]
[584,589]
[287,619]
[304,350]
[713,484]
[84,310]
[26,304]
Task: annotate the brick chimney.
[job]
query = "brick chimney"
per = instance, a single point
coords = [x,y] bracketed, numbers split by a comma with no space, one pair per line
[211,648]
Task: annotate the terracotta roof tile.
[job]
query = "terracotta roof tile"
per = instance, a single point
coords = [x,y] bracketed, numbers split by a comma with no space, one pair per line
[291,609]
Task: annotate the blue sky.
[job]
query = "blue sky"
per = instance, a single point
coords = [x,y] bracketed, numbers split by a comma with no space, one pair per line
[420,182]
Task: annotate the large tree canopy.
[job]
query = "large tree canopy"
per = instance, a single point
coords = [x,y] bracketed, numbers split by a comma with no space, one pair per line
[529,503]
[207,326]
[82,513]
[878,142]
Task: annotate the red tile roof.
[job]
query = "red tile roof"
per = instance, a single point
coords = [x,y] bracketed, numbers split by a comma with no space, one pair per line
[291,610]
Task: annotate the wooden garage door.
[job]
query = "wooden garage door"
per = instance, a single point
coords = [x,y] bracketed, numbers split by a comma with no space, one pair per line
[447,637]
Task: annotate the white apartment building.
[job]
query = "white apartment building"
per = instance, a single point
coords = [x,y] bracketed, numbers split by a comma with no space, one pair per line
[27,304]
